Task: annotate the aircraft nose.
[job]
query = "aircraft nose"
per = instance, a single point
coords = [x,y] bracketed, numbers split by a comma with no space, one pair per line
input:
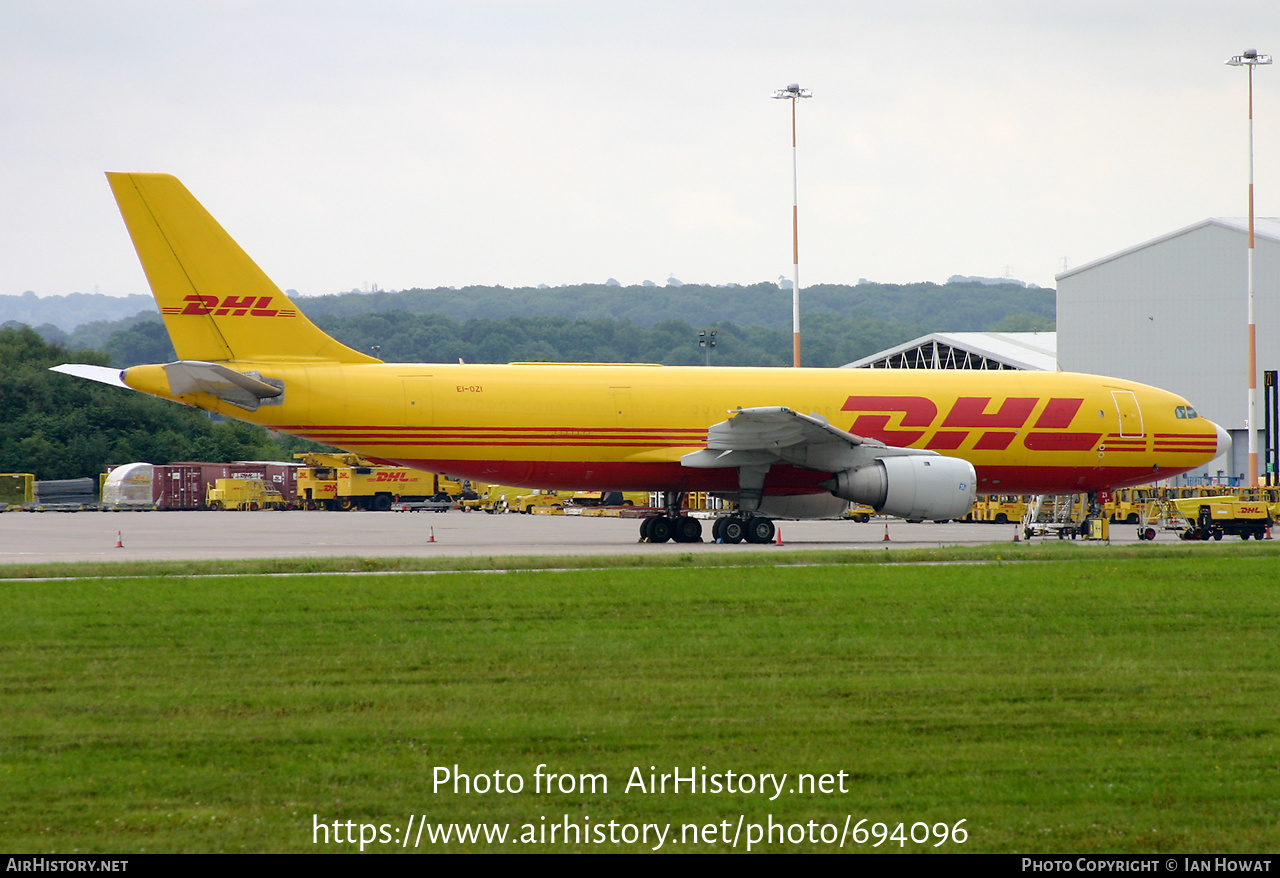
[1224,441]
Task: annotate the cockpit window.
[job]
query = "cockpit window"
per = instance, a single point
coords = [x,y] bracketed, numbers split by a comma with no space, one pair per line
[1185,412]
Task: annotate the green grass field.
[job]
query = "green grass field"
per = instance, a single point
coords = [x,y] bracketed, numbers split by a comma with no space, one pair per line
[1099,700]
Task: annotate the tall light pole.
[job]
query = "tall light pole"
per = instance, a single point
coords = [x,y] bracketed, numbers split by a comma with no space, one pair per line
[707,341]
[793,93]
[1250,59]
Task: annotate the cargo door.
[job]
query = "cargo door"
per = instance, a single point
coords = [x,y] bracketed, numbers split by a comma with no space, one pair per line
[1129,413]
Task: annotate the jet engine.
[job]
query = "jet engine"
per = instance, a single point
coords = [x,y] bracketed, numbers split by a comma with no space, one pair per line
[909,486]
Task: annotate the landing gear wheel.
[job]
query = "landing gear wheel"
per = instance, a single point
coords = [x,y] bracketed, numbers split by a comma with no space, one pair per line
[734,530]
[686,530]
[759,530]
[660,529]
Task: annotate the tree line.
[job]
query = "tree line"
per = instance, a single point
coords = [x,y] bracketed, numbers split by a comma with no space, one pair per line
[600,322]
[952,307]
[827,340]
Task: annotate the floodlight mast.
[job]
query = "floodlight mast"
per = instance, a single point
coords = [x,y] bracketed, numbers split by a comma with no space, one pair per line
[794,92]
[1250,59]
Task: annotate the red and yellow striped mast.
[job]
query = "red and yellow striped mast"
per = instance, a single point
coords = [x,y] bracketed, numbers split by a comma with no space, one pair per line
[793,93]
[1250,59]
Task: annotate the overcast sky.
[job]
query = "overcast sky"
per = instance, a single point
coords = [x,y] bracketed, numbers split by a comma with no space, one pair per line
[423,144]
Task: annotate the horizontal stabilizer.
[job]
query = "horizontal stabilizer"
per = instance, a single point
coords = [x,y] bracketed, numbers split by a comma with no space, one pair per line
[248,391]
[101,374]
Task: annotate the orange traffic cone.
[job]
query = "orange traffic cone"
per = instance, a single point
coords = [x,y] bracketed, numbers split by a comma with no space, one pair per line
[1017,537]
[777,541]
[432,538]
[886,533]
[119,540]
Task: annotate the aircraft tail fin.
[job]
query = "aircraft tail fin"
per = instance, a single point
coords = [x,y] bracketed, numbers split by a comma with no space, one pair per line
[217,304]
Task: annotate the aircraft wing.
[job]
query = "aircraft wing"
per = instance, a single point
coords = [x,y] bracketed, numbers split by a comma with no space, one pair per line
[775,434]
[246,390]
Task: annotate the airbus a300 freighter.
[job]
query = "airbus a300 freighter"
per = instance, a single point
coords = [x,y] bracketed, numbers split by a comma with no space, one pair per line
[794,443]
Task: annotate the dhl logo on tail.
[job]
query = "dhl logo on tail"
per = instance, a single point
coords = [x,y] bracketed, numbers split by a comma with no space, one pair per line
[235,306]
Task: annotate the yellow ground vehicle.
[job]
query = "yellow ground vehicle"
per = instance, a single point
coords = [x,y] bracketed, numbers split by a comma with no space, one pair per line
[244,495]
[544,501]
[490,498]
[347,481]
[1216,517]
[460,490]
[858,512]
[999,508]
[608,498]
[1271,496]
[1126,505]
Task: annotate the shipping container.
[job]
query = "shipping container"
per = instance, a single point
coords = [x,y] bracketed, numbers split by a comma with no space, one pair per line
[179,485]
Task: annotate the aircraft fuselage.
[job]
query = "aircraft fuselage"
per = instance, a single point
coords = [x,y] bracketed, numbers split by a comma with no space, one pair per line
[625,427]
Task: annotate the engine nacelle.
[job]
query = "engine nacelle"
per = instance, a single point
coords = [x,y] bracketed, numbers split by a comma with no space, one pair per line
[910,486]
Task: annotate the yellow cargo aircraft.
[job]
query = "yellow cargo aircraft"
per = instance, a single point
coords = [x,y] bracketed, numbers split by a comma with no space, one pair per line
[788,443]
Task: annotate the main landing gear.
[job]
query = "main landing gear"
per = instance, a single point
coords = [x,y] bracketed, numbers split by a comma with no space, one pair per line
[677,527]
[671,525]
[738,527]
[681,529]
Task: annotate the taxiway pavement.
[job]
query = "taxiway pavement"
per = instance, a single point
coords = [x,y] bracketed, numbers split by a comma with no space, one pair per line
[27,537]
